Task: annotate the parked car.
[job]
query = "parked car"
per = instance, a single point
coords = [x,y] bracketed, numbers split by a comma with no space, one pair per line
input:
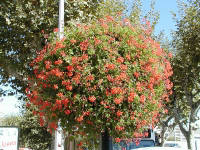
[171,144]
[133,145]
[159,148]
[175,144]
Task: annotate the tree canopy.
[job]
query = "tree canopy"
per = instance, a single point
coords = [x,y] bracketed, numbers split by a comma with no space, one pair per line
[21,25]
[186,62]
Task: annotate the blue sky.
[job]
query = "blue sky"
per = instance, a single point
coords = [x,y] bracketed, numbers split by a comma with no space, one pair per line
[9,104]
[165,8]
[166,22]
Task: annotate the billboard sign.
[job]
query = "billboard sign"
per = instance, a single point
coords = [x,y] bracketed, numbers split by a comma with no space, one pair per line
[9,138]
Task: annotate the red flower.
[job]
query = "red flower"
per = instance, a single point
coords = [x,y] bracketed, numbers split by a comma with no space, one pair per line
[62,53]
[79,119]
[41,122]
[109,78]
[170,55]
[109,18]
[66,83]
[136,74]
[118,100]
[28,105]
[69,87]
[92,99]
[117,140]
[166,111]
[65,102]
[96,41]
[150,86]
[56,72]
[119,113]
[70,68]
[123,76]
[67,112]
[87,113]
[85,57]
[74,60]
[53,125]
[120,59]
[73,41]
[131,96]
[79,68]
[116,90]
[55,86]
[47,64]
[142,99]
[42,31]
[146,134]
[119,128]
[90,77]
[139,86]
[123,67]
[70,74]
[76,79]
[110,66]
[128,57]
[84,45]
[60,94]
[58,62]
[80,144]
[137,143]
[55,30]
[89,122]
[58,102]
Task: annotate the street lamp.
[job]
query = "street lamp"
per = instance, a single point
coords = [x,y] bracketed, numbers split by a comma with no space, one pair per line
[61,19]
[58,134]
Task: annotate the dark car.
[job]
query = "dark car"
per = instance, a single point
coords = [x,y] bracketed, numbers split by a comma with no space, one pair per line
[134,145]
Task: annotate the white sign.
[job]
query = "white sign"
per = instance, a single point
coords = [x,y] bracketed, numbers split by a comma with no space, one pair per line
[9,138]
[59,139]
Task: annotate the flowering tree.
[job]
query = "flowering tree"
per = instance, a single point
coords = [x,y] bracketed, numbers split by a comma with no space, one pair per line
[107,75]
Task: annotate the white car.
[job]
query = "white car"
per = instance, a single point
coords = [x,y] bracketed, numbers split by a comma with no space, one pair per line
[159,148]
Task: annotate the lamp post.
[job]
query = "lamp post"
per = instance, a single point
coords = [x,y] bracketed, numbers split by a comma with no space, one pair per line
[61,19]
[58,134]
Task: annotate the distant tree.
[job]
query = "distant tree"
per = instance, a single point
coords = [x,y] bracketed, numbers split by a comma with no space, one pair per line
[186,68]
[10,121]
[32,135]
[166,124]
[136,13]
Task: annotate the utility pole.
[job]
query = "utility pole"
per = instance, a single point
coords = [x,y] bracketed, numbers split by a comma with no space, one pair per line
[61,19]
[58,133]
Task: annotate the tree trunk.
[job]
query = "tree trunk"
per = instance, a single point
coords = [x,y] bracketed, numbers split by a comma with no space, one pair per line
[106,141]
[162,136]
[69,144]
[53,141]
[188,135]
[164,127]
[189,139]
